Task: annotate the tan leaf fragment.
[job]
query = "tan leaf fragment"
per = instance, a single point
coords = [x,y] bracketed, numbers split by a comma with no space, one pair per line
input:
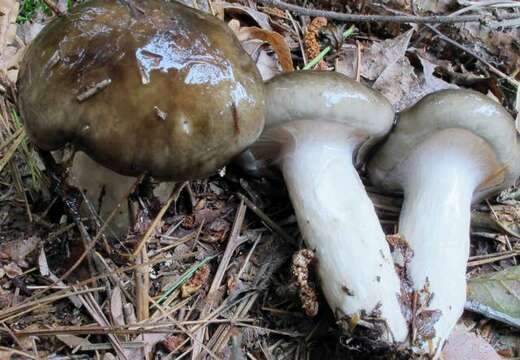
[380,55]
[116,307]
[73,341]
[195,283]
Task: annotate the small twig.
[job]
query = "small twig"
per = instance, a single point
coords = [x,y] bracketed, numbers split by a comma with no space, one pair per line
[87,94]
[358,60]
[491,313]
[266,219]
[16,141]
[54,8]
[441,19]
[17,352]
[475,55]
[24,308]
[221,270]
[493,259]
[173,197]
[142,286]
[248,257]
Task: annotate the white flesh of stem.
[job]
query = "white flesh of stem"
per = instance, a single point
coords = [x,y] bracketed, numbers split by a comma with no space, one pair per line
[435,219]
[339,223]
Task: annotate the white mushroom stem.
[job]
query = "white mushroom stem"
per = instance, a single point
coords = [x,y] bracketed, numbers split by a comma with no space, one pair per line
[441,177]
[339,223]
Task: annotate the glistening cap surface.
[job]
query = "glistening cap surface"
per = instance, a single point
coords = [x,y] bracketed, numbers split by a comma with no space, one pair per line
[447,109]
[160,88]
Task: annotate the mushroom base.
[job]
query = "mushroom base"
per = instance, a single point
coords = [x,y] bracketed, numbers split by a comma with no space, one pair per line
[339,223]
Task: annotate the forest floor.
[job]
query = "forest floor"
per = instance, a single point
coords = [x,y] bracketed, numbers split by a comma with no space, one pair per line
[216,258]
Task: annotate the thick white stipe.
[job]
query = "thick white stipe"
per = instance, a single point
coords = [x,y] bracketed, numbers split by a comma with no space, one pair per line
[435,219]
[339,223]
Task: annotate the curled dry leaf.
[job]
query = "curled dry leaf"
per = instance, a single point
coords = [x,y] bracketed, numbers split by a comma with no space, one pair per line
[399,81]
[380,55]
[310,41]
[172,343]
[300,270]
[196,281]
[260,18]
[274,39]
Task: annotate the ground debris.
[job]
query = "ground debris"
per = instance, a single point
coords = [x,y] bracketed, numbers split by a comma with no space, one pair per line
[301,262]
[256,306]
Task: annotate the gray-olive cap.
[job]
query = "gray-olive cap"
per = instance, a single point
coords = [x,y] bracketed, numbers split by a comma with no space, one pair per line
[328,96]
[172,92]
[447,109]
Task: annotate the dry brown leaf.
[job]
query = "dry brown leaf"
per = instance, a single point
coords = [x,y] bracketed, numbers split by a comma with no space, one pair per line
[12,270]
[397,81]
[346,62]
[403,87]
[274,39]
[196,282]
[381,55]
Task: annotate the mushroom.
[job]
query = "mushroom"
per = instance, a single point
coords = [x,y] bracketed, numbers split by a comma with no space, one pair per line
[165,90]
[318,126]
[452,148]
[156,88]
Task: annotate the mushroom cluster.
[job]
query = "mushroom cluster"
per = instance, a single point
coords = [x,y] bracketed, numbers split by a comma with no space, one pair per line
[452,148]
[161,89]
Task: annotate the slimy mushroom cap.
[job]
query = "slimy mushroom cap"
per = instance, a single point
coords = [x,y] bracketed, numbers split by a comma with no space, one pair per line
[156,88]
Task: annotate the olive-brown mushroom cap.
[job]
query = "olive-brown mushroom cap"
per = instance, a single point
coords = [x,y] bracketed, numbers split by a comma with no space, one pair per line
[446,109]
[177,96]
[332,97]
